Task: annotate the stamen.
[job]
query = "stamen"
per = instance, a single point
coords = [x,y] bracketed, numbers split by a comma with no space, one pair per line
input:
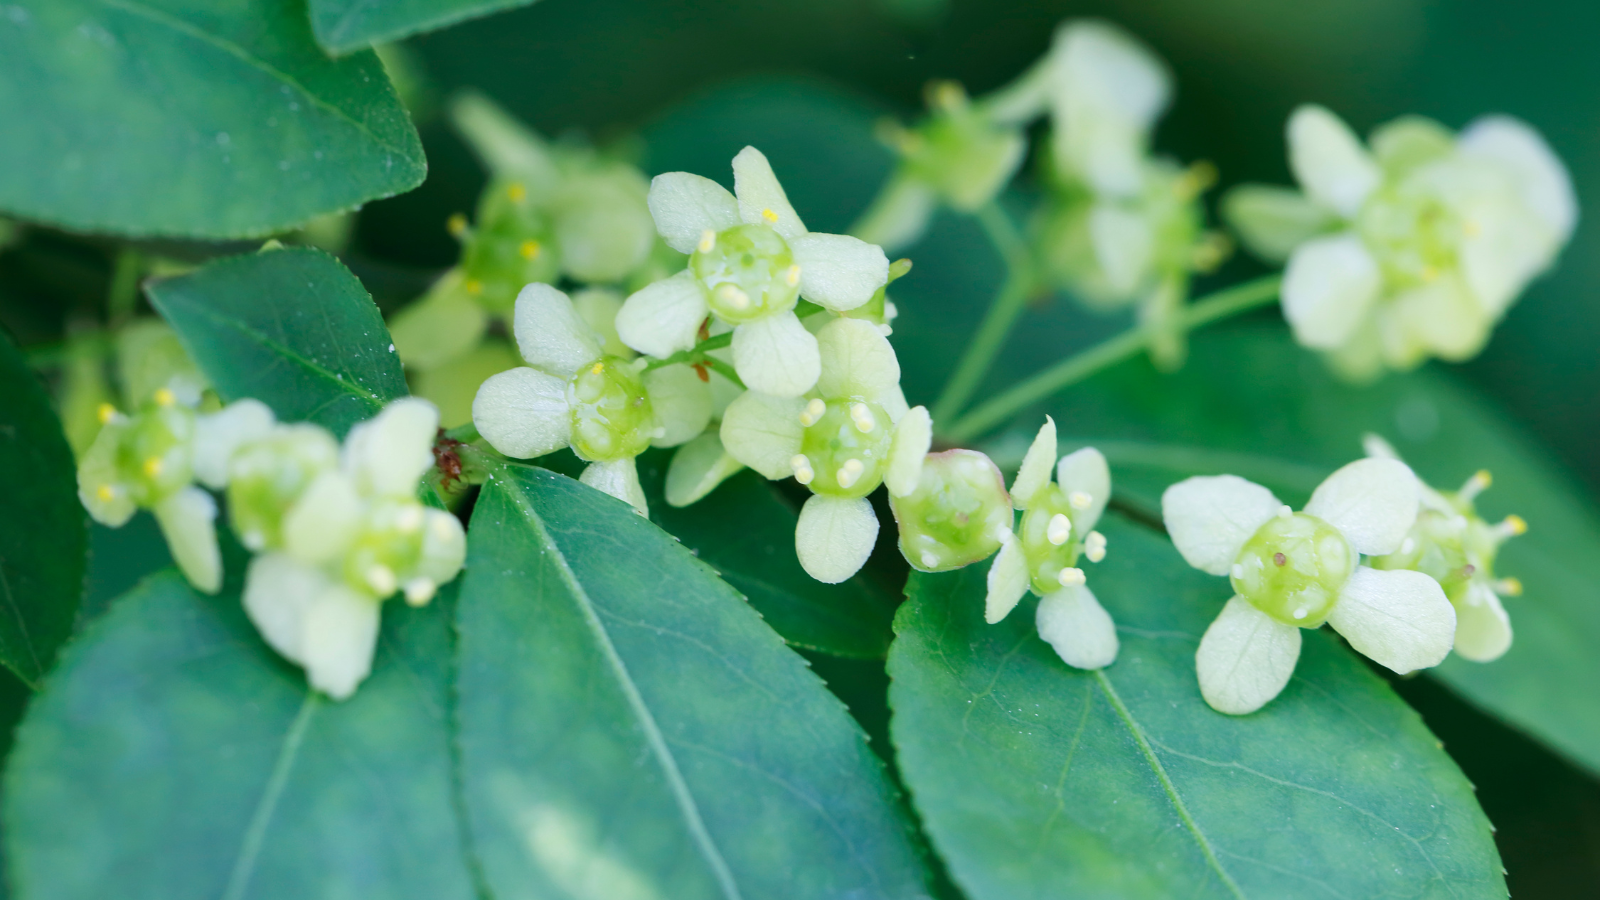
[1080,500]
[803,472]
[530,249]
[929,560]
[1508,587]
[1300,613]
[516,192]
[813,412]
[1094,546]
[708,241]
[849,473]
[597,368]
[1475,485]
[165,397]
[152,467]
[1071,577]
[1511,526]
[106,493]
[474,286]
[791,275]
[456,224]
[1059,529]
[382,579]
[105,413]
[863,418]
[770,216]
[1237,571]
[420,590]
[1284,511]
[734,297]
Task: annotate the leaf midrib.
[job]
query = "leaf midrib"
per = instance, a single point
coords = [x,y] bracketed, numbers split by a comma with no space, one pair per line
[256,833]
[653,735]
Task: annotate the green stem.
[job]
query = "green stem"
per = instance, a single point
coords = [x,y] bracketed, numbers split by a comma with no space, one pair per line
[1003,313]
[1220,305]
[694,354]
[122,296]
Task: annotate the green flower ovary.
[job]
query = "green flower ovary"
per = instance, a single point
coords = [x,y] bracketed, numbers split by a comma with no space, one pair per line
[155,453]
[611,413]
[266,477]
[748,273]
[1293,568]
[388,549]
[1412,233]
[509,248]
[957,513]
[844,449]
[1046,558]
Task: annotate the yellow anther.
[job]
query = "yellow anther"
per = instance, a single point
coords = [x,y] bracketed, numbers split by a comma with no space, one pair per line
[849,473]
[863,417]
[946,95]
[1059,529]
[1515,525]
[165,397]
[597,368]
[770,216]
[1071,577]
[105,493]
[792,275]
[1509,587]
[105,413]
[734,297]
[419,591]
[1483,476]
[813,412]
[1094,546]
[708,241]
[516,192]
[1080,500]
[530,249]
[474,286]
[152,467]
[801,465]
[456,224]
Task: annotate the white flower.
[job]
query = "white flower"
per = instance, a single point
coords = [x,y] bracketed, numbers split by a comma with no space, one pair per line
[1057,528]
[1414,248]
[1106,92]
[1296,570]
[1452,544]
[608,409]
[751,260]
[838,441]
[350,538]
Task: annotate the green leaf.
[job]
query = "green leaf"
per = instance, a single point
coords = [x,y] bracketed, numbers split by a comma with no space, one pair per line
[173,755]
[345,25]
[1250,390]
[1038,780]
[44,535]
[207,120]
[292,328]
[745,531]
[629,728]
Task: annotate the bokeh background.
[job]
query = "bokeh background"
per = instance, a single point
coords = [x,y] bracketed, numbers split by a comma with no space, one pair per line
[657,79]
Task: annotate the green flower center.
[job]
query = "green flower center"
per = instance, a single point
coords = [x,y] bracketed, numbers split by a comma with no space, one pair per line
[844,449]
[1293,568]
[1049,541]
[611,413]
[1452,550]
[957,513]
[1412,234]
[748,273]
[388,548]
[509,247]
[154,455]
[267,476]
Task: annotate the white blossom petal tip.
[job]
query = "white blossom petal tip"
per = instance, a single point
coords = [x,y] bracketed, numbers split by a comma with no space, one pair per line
[390,452]
[764,432]
[620,479]
[1034,473]
[663,318]
[760,196]
[523,413]
[1211,516]
[834,537]
[1245,658]
[1329,161]
[1073,622]
[1007,580]
[1372,501]
[857,361]
[550,332]
[776,355]
[913,438]
[838,271]
[1329,287]
[686,206]
[1399,619]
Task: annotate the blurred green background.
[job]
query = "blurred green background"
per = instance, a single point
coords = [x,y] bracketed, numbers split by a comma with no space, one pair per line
[812,77]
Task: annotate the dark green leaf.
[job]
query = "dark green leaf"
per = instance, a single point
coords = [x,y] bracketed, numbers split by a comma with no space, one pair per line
[210,120]
[43,531]
[1039,780]
[292,328]
[345,25]
[173,755]
[746,532]
[629,728]
[1235,396]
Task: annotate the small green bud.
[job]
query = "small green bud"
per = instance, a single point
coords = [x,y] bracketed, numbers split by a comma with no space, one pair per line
[612,417]
[748,272]
[1293,568]
[958,513]
[156,454]
[511,246]
[844,449]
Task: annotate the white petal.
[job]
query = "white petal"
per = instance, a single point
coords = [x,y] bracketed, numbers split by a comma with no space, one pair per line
[764,432]
[834,537]
[1399,619]
[913,438]
[1211,516]
[1376,447]
[776,355]
[1101,66]
[1245,658]
[681,404]
[1444,317]
[341,633]
[839,271]
[1124,244]
[663,318]
[761,198]
[686,206]
[277,592]
[188,522]
[218,435]
[444,325]
[1329,161]
[620,479]
[857,361]
[602,224]
[894,403]
[1272,221]
[1543,180]
[1007,581]
[1085,471]
[386,455]
[697,468]
[1036,465]
[1328,288]
[444,546]
[523,413]
[324,519]
[550,333]
[899,214]
[1483,630]
[1373,502]
[508,148]
[598,307]
[1073,622]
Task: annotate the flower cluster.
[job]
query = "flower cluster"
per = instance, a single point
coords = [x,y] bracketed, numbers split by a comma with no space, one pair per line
[1410,247]
[336,529]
